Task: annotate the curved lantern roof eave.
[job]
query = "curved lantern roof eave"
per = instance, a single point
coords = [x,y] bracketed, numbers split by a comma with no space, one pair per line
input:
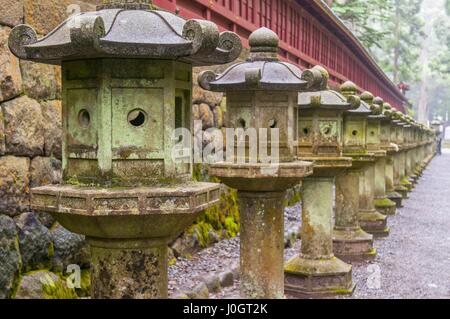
[261,71]
[128,33]
[327,99]
[362,110]
[254,76]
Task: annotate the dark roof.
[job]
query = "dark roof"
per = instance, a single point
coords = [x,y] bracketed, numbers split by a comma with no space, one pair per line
[262,70]
[128,33]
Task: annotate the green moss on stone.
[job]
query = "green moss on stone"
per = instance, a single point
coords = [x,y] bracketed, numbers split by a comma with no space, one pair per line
[58,290]
[385,202]
[223,219]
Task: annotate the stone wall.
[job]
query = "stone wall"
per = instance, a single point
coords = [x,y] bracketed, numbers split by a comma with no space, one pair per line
[30,148]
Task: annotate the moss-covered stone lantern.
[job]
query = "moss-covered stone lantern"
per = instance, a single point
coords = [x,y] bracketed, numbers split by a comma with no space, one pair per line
[410,150]
[400,183]
[315,270]
[387,142]
[379,123]
[262,93]
[127,85]
[350,242]
[370,219]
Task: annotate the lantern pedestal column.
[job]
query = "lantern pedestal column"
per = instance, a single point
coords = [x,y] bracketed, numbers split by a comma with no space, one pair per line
[315,270]
[370,219]
[389,180]
[129,268]
[382,202]
[261,193]
[350,242]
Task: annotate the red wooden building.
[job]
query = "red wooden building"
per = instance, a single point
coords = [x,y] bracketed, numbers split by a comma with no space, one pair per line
[310,34]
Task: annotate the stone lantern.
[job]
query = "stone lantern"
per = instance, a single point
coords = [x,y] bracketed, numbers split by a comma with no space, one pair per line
[262,94]
[315,270]
[387,139]
[410,153]
[436,126]
[127,85]
[350,242]
[379,122]
[370,219]
[399,161]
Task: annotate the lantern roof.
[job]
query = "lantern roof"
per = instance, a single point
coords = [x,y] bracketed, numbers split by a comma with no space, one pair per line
[319,96]
[261,71]
[131,29]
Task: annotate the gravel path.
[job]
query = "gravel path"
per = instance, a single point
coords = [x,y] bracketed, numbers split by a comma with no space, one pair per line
[413,262]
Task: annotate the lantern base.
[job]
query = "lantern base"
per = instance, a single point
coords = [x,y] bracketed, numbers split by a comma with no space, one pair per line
[373,222]
[353,245]
[402,190]
[317,277]
[385,206]
[396,198]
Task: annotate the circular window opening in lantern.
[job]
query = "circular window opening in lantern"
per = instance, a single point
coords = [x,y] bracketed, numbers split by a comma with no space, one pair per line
[372,133]
[137,117]
[241,123]
[326,130]
[305,131]
[355,132]
[84,118]
[272,123]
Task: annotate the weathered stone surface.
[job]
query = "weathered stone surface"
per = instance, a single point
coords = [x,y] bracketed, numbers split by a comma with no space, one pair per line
[69,248]
[218,116]
[226,279]
[24,130]
[14,184]
[12,12]
[199,292]
[30,286]
[212,282]
[45,171]
[46,219]
[34,240]
[45,15]
[51,111]
[10,262]
[10,77]
[2,134]
[41,81]
[203,113]
[202,96]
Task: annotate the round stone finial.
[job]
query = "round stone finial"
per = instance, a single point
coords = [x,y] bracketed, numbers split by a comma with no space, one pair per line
[263,40]
[387,106]
[367,97]
[126,4]
[348,88]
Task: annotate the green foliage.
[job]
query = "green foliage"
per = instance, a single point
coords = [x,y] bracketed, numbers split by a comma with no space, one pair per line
[362,16]
[85,284]
[222,219]
[57,290]
[390,29]
[441,63]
